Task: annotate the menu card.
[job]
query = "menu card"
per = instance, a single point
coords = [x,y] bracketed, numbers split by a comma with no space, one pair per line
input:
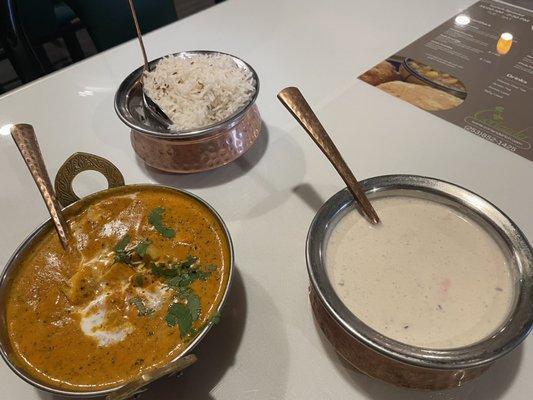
[475,70]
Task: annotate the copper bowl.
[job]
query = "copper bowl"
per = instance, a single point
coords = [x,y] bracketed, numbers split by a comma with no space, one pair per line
[378,356]
[193,150]
[73,205]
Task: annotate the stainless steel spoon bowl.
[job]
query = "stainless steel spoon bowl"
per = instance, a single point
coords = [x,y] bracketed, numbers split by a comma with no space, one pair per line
[149,105]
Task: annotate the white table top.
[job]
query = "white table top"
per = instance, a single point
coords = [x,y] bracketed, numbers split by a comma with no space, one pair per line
[267,346]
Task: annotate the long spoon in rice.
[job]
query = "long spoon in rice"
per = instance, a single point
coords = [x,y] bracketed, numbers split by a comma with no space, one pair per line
[148,104]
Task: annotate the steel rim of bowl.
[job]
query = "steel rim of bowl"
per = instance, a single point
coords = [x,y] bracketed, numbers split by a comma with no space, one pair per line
[47,224]
[509,335]
[455,92]
[123,93]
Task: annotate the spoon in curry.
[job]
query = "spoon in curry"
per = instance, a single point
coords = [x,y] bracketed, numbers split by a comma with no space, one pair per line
[148,104]
[295,102]
[26,141]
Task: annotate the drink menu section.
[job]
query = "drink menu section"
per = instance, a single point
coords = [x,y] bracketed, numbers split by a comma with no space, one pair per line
[475,70]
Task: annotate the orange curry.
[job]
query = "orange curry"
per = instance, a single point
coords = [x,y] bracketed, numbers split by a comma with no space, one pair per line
[146,273]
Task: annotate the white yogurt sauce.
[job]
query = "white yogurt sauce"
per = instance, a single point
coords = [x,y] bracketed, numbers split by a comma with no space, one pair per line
[93,323]
[427,276]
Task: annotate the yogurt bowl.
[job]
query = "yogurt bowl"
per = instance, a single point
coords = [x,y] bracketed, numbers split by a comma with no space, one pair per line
[366,334]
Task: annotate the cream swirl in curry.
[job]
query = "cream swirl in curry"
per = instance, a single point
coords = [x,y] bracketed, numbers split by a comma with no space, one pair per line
[146,273]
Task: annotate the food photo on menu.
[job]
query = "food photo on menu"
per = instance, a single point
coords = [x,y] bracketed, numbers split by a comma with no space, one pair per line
[471,71]
[237,250]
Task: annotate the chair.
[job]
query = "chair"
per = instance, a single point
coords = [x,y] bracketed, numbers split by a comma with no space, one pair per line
[109,22]
[26,25]
[47,20]
[16,44]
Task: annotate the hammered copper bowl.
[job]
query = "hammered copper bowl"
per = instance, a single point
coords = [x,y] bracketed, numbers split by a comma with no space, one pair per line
[378,356]
[77,163]
[193,150]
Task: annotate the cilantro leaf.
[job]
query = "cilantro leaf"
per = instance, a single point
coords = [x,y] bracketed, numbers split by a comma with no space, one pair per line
[121,245]
[121,255]
[156,219]
[179,314]
[161,270]
[185,279]
[193,302]
[174,283]
[181,274]
[182,292]
[143,310]
[202,275]
[141,247]
[211,268]
[188,262]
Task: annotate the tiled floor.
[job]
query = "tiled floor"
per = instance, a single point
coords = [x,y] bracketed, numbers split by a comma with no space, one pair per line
[59,56]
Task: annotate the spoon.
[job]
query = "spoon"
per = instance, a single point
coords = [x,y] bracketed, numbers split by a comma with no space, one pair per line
[295,102]
[27,143]
[148,103]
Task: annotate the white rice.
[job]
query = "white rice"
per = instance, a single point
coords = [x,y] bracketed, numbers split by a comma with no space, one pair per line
[199,91]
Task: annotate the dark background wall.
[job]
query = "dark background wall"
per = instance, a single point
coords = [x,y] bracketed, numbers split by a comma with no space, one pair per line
[59,56]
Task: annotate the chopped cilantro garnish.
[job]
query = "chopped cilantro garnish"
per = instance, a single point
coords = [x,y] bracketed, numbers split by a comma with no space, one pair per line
[188,262]
[141,247]
[121,255]
[174,283]
[193,303]
[179,314]
[143,310]
[121,246]
[161,270]
[202,275]
[185,278]
[182,292]
[125,256]
[179,276]
[156,219]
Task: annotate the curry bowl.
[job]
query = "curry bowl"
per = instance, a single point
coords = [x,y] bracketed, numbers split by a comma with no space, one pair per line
[193,150]
[143,283]
[375,352]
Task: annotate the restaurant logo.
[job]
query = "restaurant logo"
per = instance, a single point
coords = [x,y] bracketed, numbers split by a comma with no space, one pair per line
[493,122]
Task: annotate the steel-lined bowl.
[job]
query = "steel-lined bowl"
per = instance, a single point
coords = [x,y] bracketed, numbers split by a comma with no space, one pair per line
[379,356]
[190,150]
[73,166]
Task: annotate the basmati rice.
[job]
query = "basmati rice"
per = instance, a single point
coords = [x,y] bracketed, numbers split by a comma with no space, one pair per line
[199,91]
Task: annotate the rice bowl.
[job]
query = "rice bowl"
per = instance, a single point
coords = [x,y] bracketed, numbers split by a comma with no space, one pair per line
[189,150]
[199,90]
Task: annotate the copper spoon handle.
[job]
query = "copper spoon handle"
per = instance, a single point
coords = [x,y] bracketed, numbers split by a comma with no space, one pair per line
[295,102]
[139,34]
[26,141]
